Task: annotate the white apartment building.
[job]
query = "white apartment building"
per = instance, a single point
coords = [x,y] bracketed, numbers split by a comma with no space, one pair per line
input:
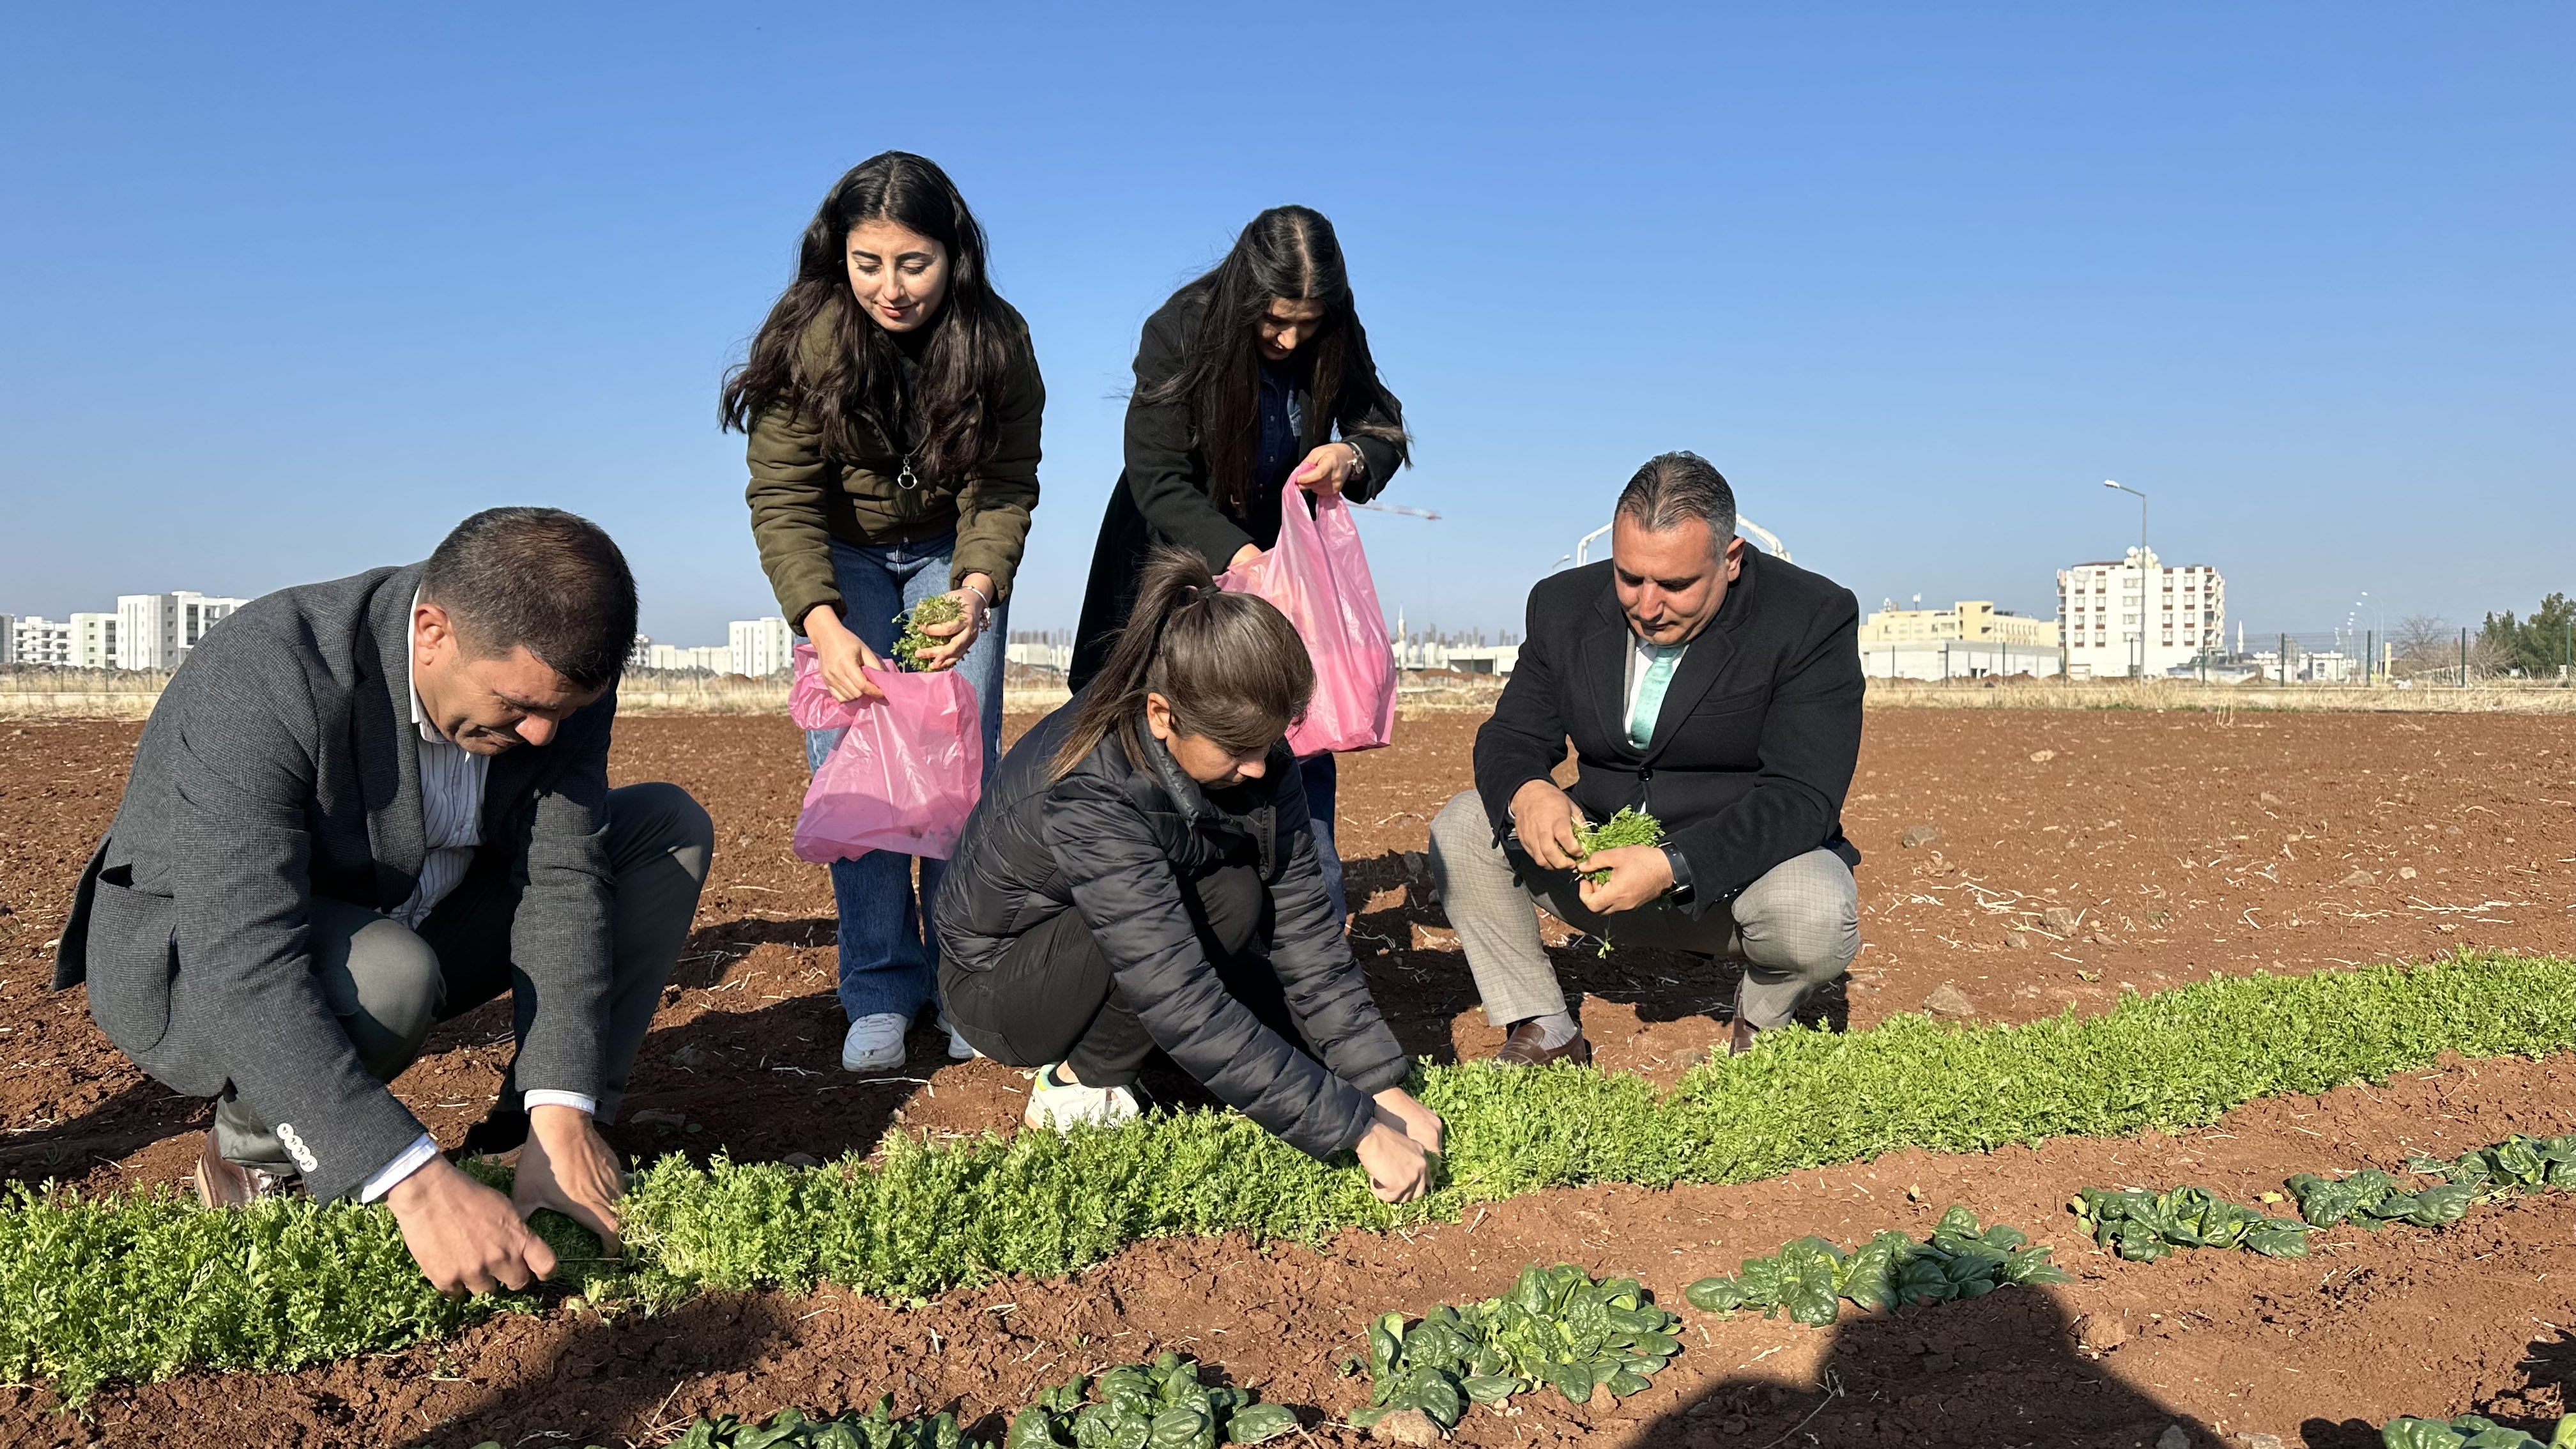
[93,640]
[2138,616]
[156,631]
[761,647]
[713,658]
[35,639]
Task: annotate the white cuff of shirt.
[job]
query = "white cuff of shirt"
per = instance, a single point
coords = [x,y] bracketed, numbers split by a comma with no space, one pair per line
[410,1160]
[548,1097]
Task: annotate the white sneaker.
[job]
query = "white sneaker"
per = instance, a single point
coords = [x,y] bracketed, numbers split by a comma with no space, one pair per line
[875,1043]
[959,1048]
[1060,1105]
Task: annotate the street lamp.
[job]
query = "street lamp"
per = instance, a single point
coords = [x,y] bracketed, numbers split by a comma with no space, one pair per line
[2142,515]
[2140,668]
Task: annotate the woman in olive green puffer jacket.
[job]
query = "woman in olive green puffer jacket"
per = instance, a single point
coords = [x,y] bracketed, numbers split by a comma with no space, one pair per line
[893,405]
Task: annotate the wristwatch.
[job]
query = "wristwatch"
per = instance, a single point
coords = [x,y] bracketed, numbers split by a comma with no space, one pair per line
[1682,892]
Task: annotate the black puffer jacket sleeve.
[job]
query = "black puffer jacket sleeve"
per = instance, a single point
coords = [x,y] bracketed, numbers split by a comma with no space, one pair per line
[1325,987]
[1128,895]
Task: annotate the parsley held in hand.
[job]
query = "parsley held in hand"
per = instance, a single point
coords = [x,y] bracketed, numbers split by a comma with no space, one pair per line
[918,623]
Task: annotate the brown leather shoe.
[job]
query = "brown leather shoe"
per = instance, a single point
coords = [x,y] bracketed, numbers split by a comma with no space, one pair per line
[222,1184]
[1521,1049]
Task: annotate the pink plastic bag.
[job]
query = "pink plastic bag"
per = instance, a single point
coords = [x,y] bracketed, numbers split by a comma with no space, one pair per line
[1319,577]
[906,775]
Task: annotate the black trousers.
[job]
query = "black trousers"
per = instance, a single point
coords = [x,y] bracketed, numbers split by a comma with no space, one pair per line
[1053,997]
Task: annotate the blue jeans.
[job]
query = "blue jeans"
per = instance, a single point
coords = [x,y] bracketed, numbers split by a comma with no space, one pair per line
[1322,782]
[889,946]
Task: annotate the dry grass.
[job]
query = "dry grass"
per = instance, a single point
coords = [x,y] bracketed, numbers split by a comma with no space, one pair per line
[2483,697]
[31,693]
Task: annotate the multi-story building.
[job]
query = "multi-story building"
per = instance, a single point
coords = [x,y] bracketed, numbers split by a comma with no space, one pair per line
[761,647]
[639,655]
[2137,616]
[1972,639]
[156,631]
[35,639]
[8,638]
[93,640]
[713,658]
[1969,619]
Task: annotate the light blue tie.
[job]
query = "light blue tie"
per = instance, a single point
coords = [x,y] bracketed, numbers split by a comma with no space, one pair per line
[1650,696]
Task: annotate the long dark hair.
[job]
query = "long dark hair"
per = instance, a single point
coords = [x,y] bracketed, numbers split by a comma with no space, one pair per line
[950,422]
[1231,666]
[1287,252]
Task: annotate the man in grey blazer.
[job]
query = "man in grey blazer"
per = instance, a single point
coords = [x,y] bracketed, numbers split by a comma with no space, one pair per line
[365,806]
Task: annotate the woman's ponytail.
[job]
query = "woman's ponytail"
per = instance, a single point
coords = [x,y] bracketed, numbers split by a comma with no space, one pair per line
[1231,665]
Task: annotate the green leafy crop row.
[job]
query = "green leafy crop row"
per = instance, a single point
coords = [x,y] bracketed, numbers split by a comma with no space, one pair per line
[1160,1404]
[1811,1277]
[1557,1326]
[879,1428]
[2144,1226]
[2470,1431]
[142,1287]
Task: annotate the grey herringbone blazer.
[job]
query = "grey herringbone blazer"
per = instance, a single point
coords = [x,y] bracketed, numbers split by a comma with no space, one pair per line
[281,765]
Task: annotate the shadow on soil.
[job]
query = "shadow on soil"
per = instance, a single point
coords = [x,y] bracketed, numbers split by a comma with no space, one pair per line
[135,1118]
[2548,1389]
[1422,990]
[1996,1373]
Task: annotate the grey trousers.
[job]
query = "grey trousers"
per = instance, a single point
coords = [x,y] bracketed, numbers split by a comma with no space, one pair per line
[1796,928]
[389,984]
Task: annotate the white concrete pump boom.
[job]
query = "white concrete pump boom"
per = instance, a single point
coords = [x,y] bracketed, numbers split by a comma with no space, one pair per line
[1761,535]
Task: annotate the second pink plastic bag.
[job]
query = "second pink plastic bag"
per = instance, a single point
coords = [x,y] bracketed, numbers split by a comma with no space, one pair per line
[1319,577]
[906,775]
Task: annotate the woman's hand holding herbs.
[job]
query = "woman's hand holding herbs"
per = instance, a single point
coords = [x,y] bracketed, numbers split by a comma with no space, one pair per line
[958,635]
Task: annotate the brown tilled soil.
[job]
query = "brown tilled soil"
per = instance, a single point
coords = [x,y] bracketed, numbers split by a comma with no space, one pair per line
[2179,843]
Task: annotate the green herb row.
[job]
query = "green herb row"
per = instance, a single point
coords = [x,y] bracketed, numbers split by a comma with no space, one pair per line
[1811,1277]
[141,1287]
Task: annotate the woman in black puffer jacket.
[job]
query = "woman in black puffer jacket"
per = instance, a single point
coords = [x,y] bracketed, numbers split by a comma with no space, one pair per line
[1141,873]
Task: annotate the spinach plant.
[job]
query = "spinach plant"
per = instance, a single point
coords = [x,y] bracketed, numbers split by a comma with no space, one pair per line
[1810,1278]
[2472,1431]
[1160,1405]
[1557,1326]
[2145,1226]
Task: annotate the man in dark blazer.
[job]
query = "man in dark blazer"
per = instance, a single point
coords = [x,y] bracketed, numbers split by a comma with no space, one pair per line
[1704,684]
[365,806]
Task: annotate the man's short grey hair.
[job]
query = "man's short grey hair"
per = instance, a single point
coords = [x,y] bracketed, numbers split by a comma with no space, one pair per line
[1676,486]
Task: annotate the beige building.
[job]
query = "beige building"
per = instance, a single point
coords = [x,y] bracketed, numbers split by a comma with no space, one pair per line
[1971,639]
[1971,620]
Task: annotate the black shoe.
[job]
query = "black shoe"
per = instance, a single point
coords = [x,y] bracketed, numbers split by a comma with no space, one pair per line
[498,1133]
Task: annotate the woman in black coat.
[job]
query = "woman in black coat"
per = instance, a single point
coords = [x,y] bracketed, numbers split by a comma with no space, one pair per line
[1142,874]
[1254,376]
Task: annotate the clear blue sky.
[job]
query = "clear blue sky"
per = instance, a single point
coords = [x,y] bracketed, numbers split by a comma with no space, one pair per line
[289,292]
